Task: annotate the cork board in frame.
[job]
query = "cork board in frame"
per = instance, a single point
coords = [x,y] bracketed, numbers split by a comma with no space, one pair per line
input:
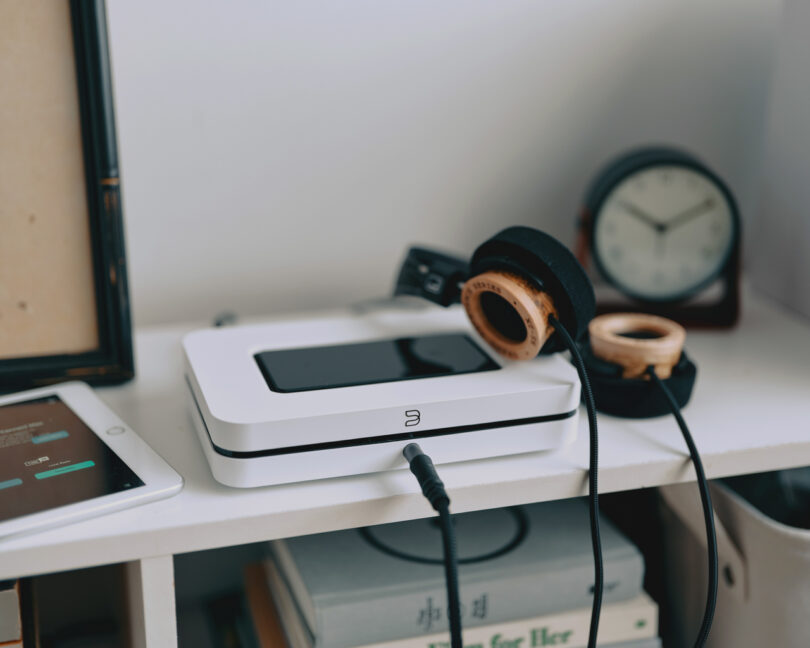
[64,306]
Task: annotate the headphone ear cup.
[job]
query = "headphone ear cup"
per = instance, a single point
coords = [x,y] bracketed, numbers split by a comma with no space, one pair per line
[636,397]
[550,265]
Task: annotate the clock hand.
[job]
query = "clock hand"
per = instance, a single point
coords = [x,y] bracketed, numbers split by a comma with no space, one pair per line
[689,214]
[643,216]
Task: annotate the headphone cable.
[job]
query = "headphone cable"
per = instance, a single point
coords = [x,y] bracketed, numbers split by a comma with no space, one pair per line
[593,473]
[708,511]
[433,489]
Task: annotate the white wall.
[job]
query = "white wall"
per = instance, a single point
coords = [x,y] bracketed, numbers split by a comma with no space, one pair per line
[780,251]
[281,155]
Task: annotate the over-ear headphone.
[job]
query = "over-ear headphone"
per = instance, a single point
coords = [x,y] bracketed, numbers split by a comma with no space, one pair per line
[513,283]
[526,294]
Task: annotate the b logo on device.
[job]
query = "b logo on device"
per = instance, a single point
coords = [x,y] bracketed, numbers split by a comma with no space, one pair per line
[412,417]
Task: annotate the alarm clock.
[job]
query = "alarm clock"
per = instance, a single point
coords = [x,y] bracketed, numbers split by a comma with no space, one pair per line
[663,230]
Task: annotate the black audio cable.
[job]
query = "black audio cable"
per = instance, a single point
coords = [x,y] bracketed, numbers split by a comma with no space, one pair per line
[708,511]
[593,474]
[433,490]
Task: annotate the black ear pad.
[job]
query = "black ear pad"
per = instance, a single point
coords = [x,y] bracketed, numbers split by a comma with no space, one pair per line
[546,262]
[636,397]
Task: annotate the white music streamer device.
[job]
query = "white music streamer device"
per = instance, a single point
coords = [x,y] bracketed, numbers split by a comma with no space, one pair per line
[342,393]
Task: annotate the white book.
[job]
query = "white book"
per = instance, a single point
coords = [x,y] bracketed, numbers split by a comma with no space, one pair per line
[622,622]
[353,587]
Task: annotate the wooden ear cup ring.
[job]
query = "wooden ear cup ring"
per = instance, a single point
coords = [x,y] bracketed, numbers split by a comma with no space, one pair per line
[509,312]
[636,340]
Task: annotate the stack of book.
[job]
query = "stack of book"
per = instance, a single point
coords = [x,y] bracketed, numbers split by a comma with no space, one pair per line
[526,580]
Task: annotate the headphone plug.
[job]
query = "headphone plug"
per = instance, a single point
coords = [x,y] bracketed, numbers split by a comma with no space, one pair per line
[425,472]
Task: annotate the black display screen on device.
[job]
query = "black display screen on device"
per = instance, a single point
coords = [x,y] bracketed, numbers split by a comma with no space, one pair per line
[367,363]
[49,458]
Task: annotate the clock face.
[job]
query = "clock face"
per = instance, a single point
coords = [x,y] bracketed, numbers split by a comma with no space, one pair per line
[663,232]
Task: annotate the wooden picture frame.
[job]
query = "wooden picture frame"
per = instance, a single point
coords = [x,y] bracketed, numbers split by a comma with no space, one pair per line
[64,303]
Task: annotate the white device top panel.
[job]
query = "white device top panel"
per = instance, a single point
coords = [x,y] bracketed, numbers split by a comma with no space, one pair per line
[240,407]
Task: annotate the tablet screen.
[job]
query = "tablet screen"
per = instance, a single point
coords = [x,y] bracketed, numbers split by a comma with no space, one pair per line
[50,458]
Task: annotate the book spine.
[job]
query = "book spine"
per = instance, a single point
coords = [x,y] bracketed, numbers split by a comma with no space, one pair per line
[620,623]
[528,595]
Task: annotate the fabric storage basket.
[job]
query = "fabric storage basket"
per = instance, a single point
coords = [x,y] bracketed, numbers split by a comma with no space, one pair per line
[764,569]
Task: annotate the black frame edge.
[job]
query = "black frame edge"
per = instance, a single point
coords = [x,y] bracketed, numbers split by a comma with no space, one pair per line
[113,361]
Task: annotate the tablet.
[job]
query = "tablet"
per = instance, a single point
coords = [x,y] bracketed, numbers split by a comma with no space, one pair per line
[65,456]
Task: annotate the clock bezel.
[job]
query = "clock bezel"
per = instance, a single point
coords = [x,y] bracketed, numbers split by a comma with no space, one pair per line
[627,165]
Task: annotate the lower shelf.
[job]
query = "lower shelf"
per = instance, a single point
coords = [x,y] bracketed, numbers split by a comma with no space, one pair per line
[214,580]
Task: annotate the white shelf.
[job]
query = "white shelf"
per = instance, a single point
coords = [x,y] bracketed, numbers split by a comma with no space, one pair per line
[747,415]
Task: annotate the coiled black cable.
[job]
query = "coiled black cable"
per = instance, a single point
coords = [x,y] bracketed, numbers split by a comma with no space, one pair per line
[593,474]
[708,511]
